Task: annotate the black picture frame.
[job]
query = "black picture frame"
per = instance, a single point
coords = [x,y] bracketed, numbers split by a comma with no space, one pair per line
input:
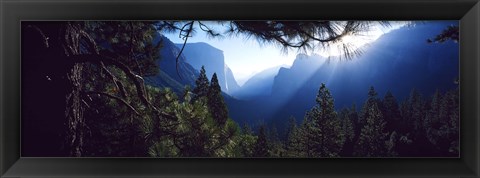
[14,11]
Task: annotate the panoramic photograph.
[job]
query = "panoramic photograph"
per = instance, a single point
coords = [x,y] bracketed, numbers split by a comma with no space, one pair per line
[240,89]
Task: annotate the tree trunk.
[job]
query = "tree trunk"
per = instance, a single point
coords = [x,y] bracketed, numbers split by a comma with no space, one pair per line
[71,42]
[74,111]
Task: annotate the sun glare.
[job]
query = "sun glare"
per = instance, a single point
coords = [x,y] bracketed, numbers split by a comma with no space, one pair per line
[352,42]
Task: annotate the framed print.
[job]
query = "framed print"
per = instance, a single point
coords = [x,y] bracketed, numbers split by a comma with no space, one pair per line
[239,88]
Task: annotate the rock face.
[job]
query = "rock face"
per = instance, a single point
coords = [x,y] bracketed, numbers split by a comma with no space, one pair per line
[258,85]
[168,75]
[202,54]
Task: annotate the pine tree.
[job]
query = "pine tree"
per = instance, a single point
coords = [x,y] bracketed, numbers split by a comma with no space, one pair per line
[348,131]
[202,85]
[406,124]
[371,141]
[276,146]
[432,120]
[293,144]
[372,98]
[190,131]
[292,124]
[449,116]
[216,104]
[246,129]
[110,77]
[417,106]
[413,140]
[372,138]
[324,132]
[417,115]
[354,117]
[247,141]
[261,145]
[391,112]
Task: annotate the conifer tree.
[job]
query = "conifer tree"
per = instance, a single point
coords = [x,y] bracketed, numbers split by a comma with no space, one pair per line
[432,120]
[246,129]
[324,132]
[411,128]
[202,85]
[354,117]
[372,98]
[417,111]
[293,144]
[405,113]
[391,112]
[276,147]
[371,141]
[348,130]
[261,145]
[247,141]
[417,116]
[292,123]
[372,138]
[450,115]
[216,104]
[190,131]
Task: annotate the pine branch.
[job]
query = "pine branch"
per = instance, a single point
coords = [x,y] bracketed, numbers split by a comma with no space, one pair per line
[137,80]
[118,84]
[45,38]
[185,37]
[114,97]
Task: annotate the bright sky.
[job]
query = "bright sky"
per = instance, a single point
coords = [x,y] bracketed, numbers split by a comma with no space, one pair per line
[246,57]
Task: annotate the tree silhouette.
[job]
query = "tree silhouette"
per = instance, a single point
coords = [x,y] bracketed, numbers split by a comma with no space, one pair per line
[216,104]
[346,118]
[324,131]
[295,144]
[371,141]
[201,85]
[261,145]
[391,111]
[372,137]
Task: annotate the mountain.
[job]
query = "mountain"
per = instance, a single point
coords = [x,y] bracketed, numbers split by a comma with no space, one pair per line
[202,54]
[398,61]
[168,75]
[258,85]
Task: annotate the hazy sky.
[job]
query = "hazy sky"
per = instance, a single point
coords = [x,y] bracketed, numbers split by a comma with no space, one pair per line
[247,57]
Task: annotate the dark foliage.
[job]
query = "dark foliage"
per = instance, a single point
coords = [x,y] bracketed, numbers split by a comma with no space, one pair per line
[216,104]
[261,146]
[450,33]
[202,85]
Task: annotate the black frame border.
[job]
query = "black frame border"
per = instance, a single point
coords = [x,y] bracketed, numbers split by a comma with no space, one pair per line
[14,11]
